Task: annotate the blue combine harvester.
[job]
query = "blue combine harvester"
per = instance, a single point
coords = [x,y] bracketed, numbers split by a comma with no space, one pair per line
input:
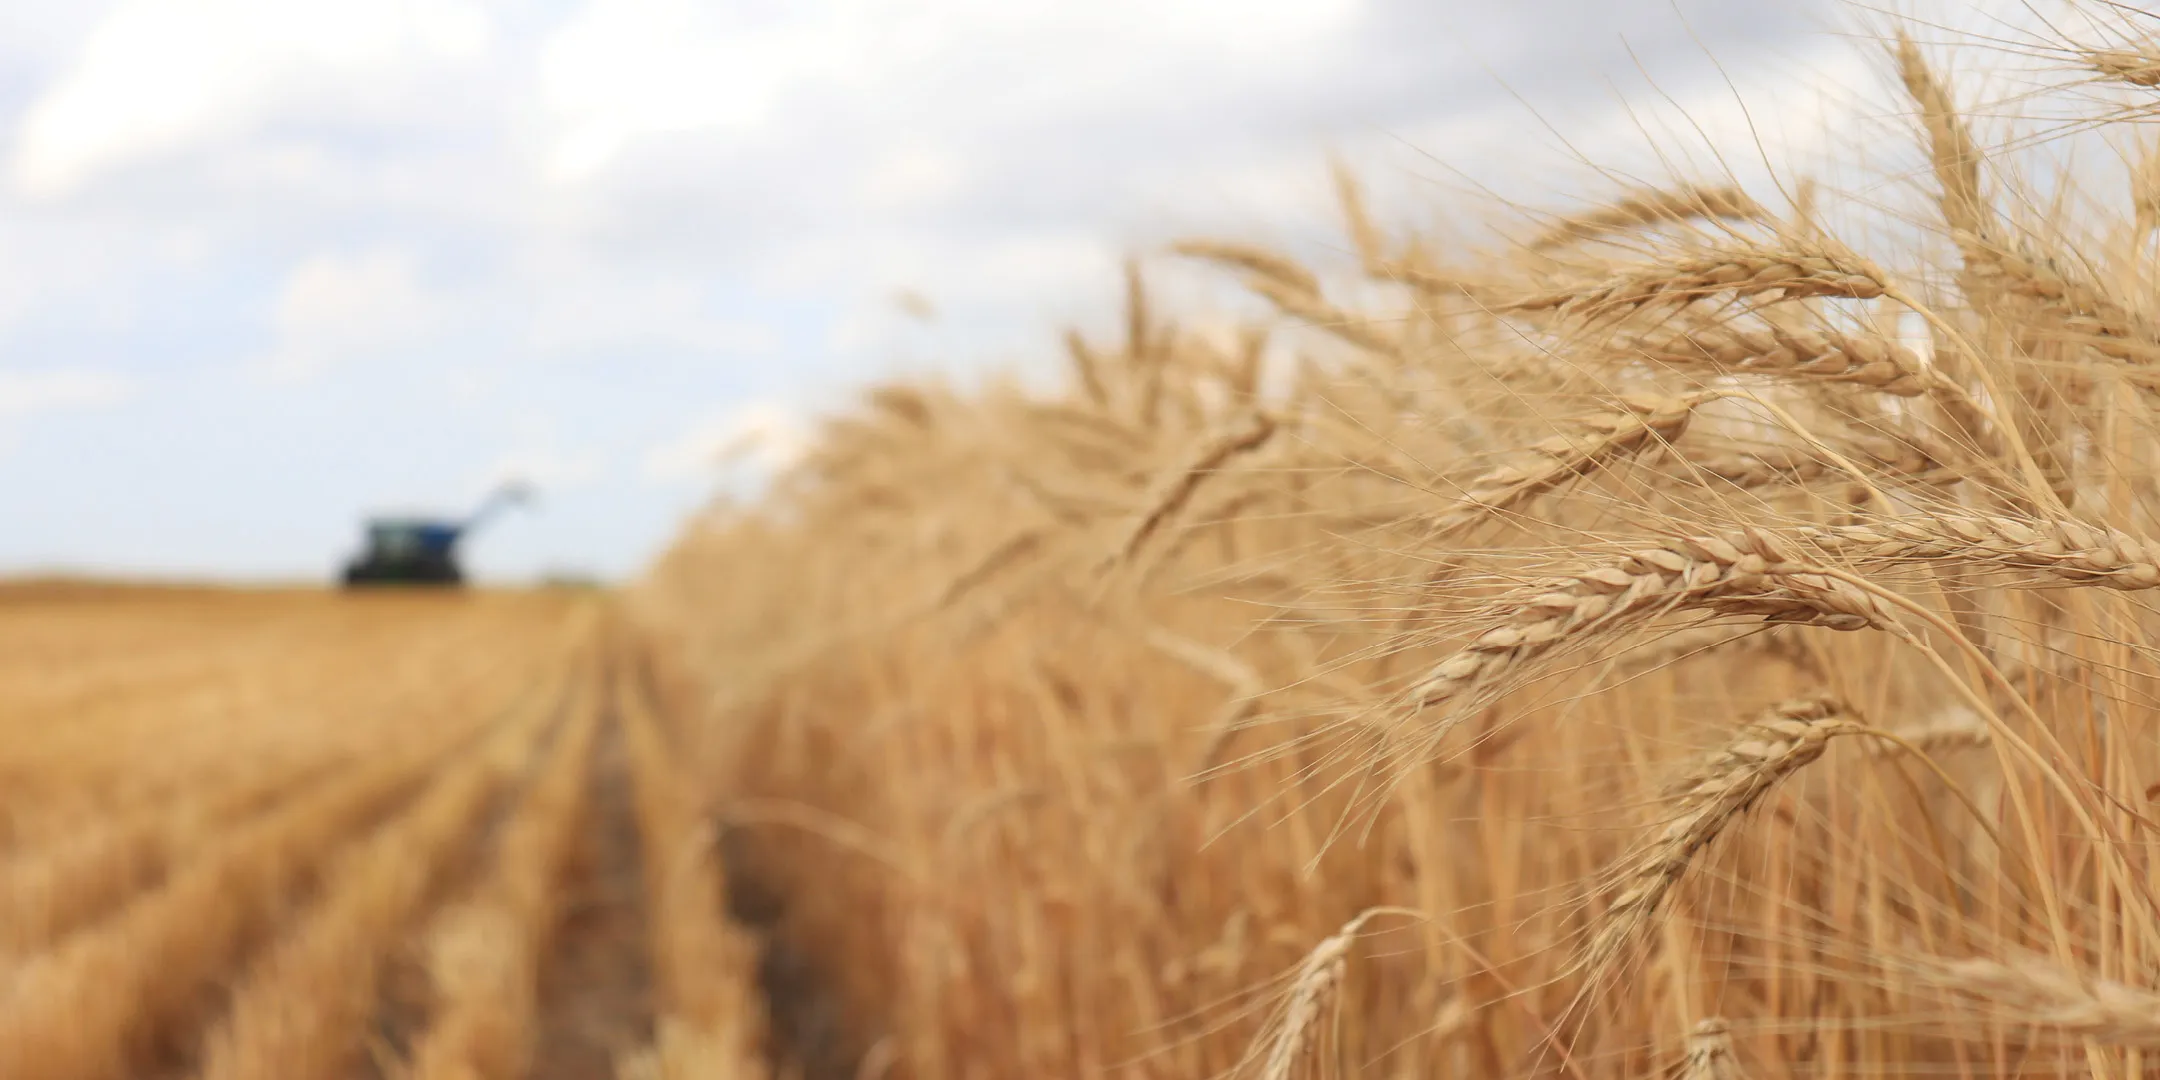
[423,551]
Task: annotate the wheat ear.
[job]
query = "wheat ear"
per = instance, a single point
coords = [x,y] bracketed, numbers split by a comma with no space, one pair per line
[1649,207]
[1900,459]
[1640,424]
[1087,369]
[2062,549]
[1713,794]
[1364,235]
[1860,359]
[1176,489]
[1991,266]
[1951,151]
[1749,572]
[2037,992]
[1254,260]
[1710,1052]
[1741,274]
[1318,976]
[1953,729]
[2137,67]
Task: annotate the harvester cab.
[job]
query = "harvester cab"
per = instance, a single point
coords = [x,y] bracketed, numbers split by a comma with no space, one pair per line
[423,551]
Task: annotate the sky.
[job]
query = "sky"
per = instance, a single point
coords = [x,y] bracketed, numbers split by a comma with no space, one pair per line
[267,266]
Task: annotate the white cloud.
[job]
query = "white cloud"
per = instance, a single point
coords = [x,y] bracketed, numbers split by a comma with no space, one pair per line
[624,70]
[621,70]
[25,393]
[587,313]
[336,307]
[763,434]
[157,76]
[911,175]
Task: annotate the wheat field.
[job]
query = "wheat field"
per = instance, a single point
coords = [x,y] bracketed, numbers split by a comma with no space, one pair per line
[1704,633]
[288,834]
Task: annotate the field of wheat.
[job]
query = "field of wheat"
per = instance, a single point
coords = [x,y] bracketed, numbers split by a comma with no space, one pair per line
[290,834]
[1708,634]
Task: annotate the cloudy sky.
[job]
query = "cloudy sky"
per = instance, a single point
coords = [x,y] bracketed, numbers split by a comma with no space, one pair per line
[266,265]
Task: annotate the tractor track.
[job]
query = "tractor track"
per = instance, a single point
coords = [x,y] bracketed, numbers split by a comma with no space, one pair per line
[403,1008]
[595,999]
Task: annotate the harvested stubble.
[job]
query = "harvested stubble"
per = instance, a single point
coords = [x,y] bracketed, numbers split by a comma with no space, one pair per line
[302,1009]
[247,703]
[170,840]
[55,887]
[485,955]
[1515,519]
[711,1023]
[103,1002]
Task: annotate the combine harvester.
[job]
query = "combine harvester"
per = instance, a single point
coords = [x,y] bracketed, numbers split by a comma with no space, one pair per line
[423,551]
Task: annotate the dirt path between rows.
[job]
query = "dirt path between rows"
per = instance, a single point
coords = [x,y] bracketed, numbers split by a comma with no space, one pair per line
[596,1000]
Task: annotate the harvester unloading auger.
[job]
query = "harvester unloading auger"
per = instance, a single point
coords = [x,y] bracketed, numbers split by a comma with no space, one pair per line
[423,551]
